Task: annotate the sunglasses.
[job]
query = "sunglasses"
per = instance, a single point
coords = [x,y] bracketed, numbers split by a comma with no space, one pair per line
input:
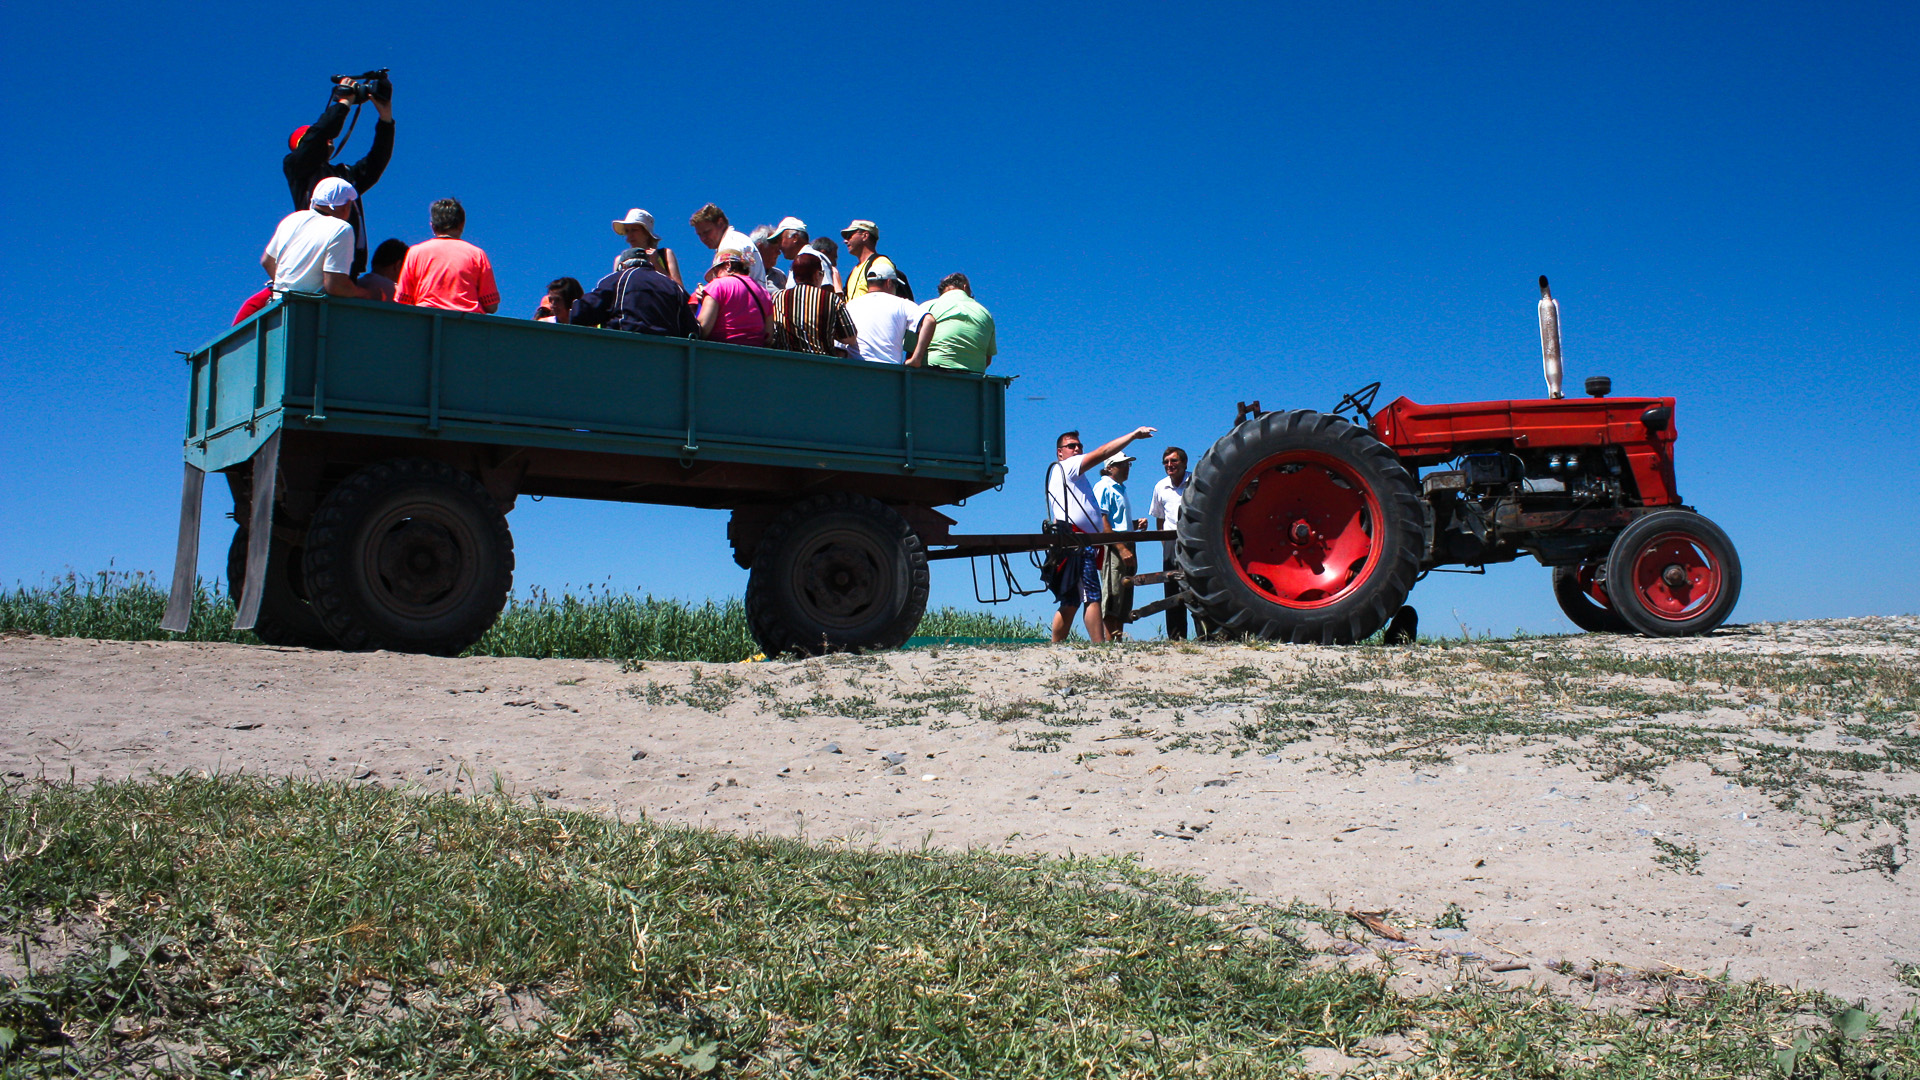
[1069,446]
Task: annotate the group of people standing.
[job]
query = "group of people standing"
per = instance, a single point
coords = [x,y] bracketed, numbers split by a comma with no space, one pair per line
[1094,584]
[746,298]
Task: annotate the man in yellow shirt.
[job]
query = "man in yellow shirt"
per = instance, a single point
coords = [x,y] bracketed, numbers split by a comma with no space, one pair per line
[863,243]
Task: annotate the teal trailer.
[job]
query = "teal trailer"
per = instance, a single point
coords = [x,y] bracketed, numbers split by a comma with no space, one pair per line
[374,451]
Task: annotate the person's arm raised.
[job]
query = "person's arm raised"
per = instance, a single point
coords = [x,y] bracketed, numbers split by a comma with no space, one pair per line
[1104,452]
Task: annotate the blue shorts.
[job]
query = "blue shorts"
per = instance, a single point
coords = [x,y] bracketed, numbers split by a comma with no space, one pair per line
[1083,570]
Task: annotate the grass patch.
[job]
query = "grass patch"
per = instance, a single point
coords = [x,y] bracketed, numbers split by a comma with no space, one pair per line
[598,625]
[248,927]
[293,927]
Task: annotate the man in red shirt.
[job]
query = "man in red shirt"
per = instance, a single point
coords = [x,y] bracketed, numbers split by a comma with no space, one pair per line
[446,271]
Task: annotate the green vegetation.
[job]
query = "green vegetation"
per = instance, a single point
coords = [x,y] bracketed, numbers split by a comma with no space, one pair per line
[240,927]
[601,625]
[114,605]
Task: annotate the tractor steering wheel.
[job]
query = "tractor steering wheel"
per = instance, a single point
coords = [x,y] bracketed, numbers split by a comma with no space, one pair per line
[1360,401]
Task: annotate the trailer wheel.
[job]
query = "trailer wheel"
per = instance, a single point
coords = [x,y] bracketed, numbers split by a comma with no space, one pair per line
[1582,592]
[1300,527]
[410,555]
[836,573]
[1673,574]
[285,617]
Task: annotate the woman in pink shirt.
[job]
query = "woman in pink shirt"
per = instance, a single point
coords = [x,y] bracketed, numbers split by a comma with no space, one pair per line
[733,306]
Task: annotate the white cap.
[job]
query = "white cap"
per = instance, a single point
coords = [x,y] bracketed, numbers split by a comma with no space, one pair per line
[333,193]
[635,216]
[790,224]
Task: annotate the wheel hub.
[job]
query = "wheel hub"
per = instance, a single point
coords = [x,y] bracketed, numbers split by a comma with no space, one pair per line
[1301,529]
[840,579]
[419,561]
[1676,576]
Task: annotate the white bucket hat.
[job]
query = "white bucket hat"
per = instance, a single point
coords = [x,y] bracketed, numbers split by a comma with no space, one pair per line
[636,216]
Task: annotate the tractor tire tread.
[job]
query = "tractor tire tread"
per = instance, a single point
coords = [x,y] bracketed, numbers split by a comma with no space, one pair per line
[1215,583]
[778,633]
[327,563]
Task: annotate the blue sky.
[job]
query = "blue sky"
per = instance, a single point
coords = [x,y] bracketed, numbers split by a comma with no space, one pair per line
[1167,207]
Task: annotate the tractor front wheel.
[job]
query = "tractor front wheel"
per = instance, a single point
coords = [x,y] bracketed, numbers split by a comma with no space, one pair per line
[1300,527]
[836,573]
[1673,574]
[410,555]
[1582,592]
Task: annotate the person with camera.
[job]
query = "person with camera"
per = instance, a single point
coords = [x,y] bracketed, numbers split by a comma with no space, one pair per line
[310,150]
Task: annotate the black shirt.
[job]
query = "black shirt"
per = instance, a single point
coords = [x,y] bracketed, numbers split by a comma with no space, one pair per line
[307,165]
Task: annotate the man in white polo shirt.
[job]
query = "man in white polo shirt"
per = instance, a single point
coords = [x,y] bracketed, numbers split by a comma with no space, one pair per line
[1070,499]
[1164,509]
[312,249]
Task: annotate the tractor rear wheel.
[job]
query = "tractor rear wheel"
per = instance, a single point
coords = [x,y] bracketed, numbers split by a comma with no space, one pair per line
[1300,527]
[285,617]
[836,573]
[1582,592]
[1673,574]
[410,555]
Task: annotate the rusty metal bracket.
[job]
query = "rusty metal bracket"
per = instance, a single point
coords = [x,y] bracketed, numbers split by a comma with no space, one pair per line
[1244,409]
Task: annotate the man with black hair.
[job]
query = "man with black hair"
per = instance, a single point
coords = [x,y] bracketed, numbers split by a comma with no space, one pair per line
[310,148]
[1070,499]
[385,275]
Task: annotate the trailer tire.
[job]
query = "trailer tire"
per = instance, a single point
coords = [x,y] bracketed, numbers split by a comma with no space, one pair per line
[411,555]
[836,573]
[1583,597]
[1673,574]
[1340,537]
[285,618]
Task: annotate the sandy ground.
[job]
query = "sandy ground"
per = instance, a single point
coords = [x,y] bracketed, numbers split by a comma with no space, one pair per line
[1548,862]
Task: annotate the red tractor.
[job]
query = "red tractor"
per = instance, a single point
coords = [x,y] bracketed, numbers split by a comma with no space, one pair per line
[1308,527]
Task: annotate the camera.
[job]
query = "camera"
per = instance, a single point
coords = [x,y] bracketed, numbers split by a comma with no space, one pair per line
[367,86]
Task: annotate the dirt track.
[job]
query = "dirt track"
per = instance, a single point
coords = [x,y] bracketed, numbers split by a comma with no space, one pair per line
[1560,830]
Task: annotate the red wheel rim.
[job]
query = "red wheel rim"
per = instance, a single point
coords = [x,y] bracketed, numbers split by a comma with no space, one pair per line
[1676,577]
[1588,578]
[1301,528]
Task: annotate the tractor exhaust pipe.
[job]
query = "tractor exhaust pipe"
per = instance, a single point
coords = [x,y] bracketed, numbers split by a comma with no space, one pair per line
[1550,339]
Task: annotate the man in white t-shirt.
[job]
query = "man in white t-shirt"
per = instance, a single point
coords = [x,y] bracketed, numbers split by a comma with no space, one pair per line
[1164,509]
[882,320]
[1070,499]
[312,249]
